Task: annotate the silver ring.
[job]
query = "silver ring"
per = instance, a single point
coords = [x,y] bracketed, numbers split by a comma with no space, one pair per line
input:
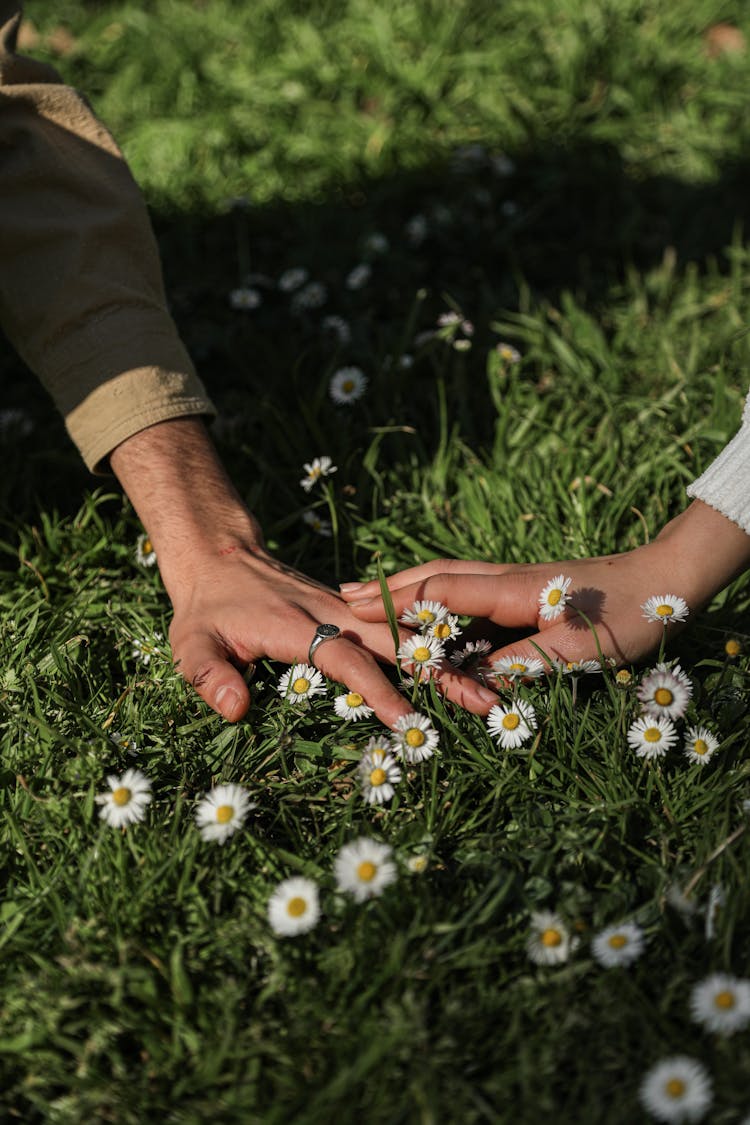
[322,633]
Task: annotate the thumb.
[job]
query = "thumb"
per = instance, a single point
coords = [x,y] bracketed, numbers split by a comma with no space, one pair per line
[202,661]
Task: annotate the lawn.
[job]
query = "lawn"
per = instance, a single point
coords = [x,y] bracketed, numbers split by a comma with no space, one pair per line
[570,181]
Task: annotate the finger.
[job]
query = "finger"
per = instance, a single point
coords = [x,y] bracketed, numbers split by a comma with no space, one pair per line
[202,661]
[558,642]
[349,664]
[352,591]
[509,599]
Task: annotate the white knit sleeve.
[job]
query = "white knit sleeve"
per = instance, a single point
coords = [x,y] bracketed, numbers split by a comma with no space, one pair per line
[725,485]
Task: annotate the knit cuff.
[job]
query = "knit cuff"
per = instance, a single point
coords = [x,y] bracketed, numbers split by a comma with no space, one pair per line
[725,485]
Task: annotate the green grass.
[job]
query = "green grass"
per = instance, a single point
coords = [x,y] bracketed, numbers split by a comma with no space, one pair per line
[140,979]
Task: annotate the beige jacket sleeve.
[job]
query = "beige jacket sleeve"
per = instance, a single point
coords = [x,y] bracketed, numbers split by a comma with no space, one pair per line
[81,292]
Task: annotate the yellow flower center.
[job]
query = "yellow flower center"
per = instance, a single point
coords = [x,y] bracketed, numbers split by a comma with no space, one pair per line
[510,722]
[553,597]
[664,610]
[367,871]
[348,386]
[354,699]
[378,755]
[421,654]
[550,938]
[296,906]
[652,734]
[700,746]
[442,630]
[517,666]
[724,1000]
[663,696]
[147,547]
[617,941]
[122,795]
[224,814]
[415,737]
[378,776]
[674,1088]
[623,676]
[426,616]
[733,648]
[314,474]
[301,685]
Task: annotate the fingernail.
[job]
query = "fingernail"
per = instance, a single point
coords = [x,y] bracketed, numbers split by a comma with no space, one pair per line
[350,587]
[360,601]
[232,701]
[487,696]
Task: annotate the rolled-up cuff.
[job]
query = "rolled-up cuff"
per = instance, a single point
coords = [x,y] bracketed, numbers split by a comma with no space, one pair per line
[129,403]
[725,485]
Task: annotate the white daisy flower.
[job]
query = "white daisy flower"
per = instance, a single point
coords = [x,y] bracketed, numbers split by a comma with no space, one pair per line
[716,901]
[222,811]
[665,608]
[578,667]
[471,653]
[549,942]
[338,327]
[618,945]
[144,650]
[378,774]
[317,524]
[446,629]
[310,296]
[351,705]
[423,614]
[315,469]
[291,279]
[245,299]
[512,725]
[293,908]
[449,320]
[651,736]
[507,353]
[665,691]
[415,739]
[700,744]
[421,652]
[364,868]
[358,277]
[554,597]
[515,667]
[378,747]
[721,1003]
[677,1089]
[347,385]
[301,682]
[124,742]
[418,864]
[126,801]
[145,554]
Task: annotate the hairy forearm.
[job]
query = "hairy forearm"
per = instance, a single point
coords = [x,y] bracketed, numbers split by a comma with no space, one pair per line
[178,486]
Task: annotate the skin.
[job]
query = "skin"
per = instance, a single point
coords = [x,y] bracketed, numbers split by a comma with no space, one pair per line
[694,556]
[234,602]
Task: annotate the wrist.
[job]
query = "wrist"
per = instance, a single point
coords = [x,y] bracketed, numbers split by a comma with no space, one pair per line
[704,550]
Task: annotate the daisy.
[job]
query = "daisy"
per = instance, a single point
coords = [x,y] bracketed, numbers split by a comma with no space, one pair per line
[651,736]
[512,725]
[471,654]
[415,738]
[518,667]
[378,774]
[549,942]
[315,469]
[144,551]
[507,353]
[127,799]
[422,652]
[358,277]
[317,524]
[124,742]
[423,614]
[665,608]
[446,629]
[144,650]
[578,667]
[364,868]
[418,864]
[618,945]
[222,811]
[300,682]
[347,385]
[245,299]
[554,597]
[291,279]
[310,296]
[623,676]
[351,705]
[293,907]
[733,647]
[700,745]
[721,1003]
[378,747]
[338,327]
[677,1089]
[665,691]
